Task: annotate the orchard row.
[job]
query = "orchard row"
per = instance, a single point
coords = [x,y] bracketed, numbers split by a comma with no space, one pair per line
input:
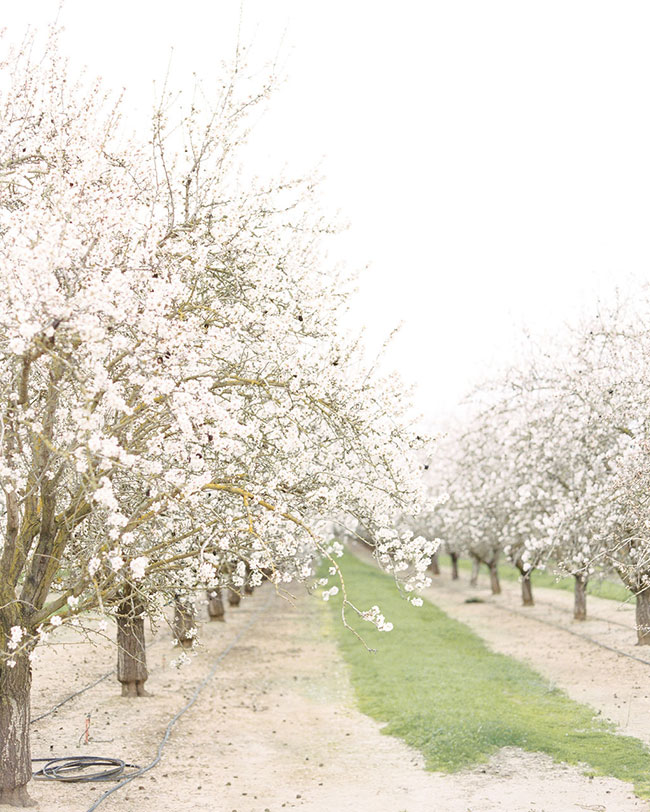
[179,407]
[550,468]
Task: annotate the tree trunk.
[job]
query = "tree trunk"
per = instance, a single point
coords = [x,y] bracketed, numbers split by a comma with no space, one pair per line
[215,604]
[234,598]
[643,617]
[473,579]
[131,647]
[526,588]
[15,753]
[434,566]
[580,597]
[494,578]
[454,566]
[248,587]
[184,623]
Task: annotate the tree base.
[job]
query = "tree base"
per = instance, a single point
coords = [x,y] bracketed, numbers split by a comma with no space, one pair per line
[454,566]
[134,689]
[495,584]
[473,579]
[18,796]
[184,625]
[579,615]
[643,617]
[220,618]
[215,604]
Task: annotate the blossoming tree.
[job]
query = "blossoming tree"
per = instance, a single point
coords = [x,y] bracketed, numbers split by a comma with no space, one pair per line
[177,406]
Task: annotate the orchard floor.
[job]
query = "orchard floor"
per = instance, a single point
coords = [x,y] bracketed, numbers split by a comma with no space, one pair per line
[276,728]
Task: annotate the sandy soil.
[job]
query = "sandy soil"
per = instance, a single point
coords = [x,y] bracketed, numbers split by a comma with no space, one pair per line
[616,686]
[276,728]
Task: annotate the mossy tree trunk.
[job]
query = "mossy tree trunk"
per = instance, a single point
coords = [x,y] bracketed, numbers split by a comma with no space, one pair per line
[131,647]
[15,753]
[580,596]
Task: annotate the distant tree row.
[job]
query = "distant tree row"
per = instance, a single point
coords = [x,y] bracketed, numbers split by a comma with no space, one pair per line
[551,467]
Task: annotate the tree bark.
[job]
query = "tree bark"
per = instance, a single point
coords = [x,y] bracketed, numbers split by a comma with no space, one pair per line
[473,579]
[15,753]
[643,617]
[131,648]
[580,597]
[184,623]
[215,604]
[454,566]
[494,578]
[248,587]
[234,598]
[526,588]
[434,566]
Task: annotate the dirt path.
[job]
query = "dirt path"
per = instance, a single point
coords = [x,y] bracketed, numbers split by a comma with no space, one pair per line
[275,729]
[616,686]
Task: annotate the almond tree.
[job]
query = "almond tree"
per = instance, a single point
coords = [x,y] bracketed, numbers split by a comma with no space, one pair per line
[498,498]
[577,450]
[587,401]
[178,408]
[613,381]
[472,521]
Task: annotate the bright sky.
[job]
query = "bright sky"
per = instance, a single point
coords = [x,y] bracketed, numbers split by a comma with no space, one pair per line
[493,158]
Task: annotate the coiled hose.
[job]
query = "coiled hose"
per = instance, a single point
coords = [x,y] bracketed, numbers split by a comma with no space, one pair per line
[73,769]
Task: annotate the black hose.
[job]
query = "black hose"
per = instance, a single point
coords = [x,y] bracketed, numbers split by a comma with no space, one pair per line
[72,696]
[571,631]
[627,626]
[71,769]
[80,691]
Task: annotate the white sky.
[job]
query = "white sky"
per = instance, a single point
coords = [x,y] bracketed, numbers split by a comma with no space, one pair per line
[493,158]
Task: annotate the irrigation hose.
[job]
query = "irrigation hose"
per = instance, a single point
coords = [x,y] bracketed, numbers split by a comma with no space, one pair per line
[79,692]
[186,707]
[552,605]
[72,769]
[571,631]
[72,696]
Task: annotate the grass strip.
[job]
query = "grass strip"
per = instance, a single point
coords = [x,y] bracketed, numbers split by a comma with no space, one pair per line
[437,686]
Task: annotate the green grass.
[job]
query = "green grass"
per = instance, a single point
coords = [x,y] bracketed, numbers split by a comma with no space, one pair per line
[437,686]
[600,587]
